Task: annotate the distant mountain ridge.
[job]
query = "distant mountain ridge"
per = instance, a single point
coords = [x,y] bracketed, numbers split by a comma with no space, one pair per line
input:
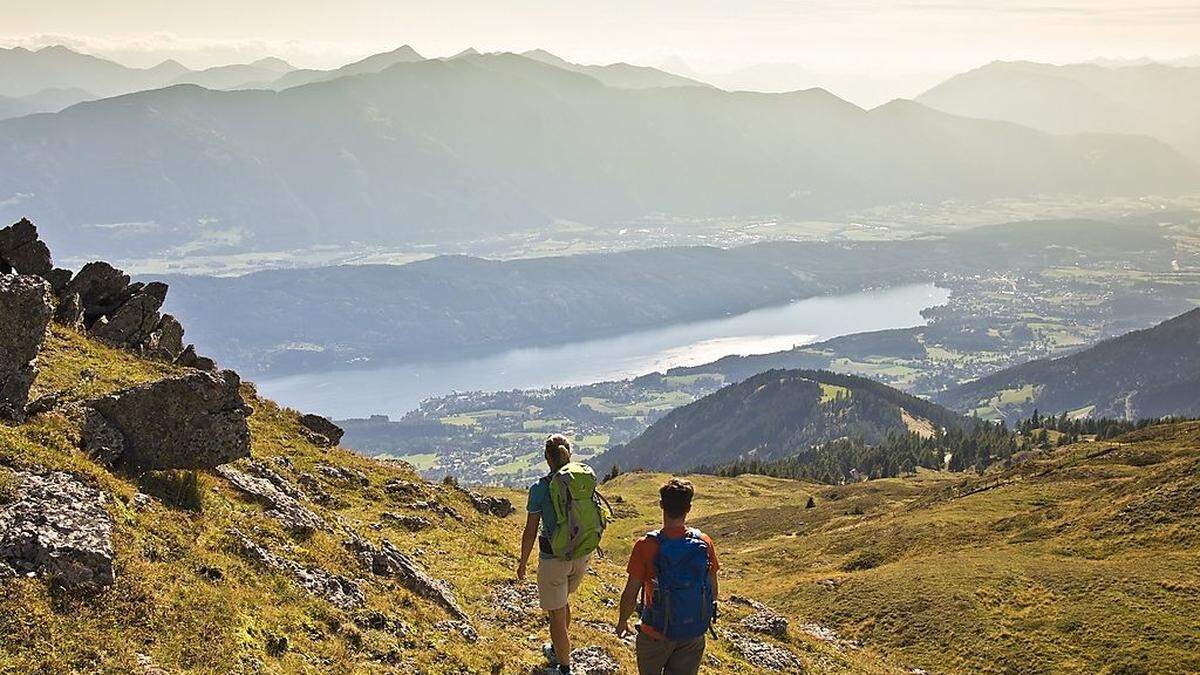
[1148,373]
[409,153]
[1157,100]
[776,414]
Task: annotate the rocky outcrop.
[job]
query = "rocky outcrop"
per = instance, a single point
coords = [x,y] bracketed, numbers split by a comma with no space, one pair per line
[192,421]
[343,474]
[386,560]
[767,622]
[764,655]
[338,590]
[410,523]
[58,527]
[190,359]
[487,504]
[130,325]
[22,252]
[102,301]
[70,312]
[25,310]
[320,431]
[281,499]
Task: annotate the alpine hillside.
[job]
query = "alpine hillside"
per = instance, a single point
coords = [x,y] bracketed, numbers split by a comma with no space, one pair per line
[1147,373]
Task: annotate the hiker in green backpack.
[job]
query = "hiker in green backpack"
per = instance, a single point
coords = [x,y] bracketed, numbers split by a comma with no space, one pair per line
[566,506]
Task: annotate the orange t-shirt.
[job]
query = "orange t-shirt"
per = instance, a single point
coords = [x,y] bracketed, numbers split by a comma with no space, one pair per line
[641,565]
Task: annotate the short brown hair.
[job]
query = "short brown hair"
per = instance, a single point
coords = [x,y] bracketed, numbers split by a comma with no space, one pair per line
[676,497]
[558,451]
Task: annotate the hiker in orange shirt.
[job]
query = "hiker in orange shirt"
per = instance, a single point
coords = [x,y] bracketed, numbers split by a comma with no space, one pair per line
[675,571]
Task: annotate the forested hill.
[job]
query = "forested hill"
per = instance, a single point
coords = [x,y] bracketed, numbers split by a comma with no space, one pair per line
[776,414]
[1147,373]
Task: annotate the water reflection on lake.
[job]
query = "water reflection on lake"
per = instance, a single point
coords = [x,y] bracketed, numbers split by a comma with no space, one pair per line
[398,388]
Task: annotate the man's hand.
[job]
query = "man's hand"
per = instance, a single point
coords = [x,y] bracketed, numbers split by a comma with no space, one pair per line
[521,571]
[623,629]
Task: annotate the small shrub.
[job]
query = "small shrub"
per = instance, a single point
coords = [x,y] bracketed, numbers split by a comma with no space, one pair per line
[176,488]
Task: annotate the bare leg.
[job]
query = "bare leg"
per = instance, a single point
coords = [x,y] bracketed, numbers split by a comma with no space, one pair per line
[560,620]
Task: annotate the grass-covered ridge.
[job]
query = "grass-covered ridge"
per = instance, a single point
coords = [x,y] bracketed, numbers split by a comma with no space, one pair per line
[186,599]
[1083,559]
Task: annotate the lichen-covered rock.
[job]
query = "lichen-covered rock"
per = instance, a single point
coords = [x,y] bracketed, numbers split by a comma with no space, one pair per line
[386,560]
[767,622]
[101,439]
[22,252]
[321,431]
[344,474]
[765,656]
[70,312]
[25,310]
[58,527]
[102,288]
[281,505]
[131,324]
[338,590]
[166,341]
[410,523]
[192,421]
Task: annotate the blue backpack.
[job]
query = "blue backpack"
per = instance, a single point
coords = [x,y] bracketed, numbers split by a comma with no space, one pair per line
[681,602]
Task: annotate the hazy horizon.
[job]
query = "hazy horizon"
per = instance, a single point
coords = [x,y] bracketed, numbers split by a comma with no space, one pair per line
[868,51]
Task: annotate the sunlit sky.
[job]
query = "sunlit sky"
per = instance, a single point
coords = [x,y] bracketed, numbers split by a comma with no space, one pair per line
[875,38]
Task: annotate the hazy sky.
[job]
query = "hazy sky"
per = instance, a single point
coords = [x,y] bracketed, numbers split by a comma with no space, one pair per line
[862,37]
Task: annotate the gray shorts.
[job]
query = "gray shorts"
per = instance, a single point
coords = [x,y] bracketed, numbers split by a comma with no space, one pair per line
[664,657]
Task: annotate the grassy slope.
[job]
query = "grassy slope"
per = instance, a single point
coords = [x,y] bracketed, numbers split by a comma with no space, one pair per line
[166,606]
[1085,560]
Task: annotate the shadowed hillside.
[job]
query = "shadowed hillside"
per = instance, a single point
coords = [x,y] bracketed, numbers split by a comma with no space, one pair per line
[1147,373]
[777,414]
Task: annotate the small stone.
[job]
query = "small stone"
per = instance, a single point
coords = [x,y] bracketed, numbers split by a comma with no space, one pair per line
[188,358]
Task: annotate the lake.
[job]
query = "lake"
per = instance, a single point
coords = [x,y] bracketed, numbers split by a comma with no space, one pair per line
[398,388]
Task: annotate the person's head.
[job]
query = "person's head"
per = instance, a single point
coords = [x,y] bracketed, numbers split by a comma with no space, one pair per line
[558,451]
[675,498]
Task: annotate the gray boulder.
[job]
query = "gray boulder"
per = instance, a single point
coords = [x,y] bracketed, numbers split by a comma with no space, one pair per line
[102,288]
[192,421]
[131,324]
[58,528]
[70,312]
[22,252]
[25,310]
[166,342]
[322,431]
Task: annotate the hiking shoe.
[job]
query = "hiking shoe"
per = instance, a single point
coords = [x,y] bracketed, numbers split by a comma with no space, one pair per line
[548,652]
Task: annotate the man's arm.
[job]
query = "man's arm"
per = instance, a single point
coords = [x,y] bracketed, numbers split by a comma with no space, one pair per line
[528,539]
[628,605]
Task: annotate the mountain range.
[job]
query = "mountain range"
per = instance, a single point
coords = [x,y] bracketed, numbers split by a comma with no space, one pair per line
[1147,373]
[407,155]
[1152,99]
[777,414]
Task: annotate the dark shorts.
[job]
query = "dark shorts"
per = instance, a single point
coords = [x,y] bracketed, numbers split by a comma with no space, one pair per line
[664,657]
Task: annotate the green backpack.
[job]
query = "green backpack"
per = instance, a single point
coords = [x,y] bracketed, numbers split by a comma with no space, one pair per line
[579,520]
